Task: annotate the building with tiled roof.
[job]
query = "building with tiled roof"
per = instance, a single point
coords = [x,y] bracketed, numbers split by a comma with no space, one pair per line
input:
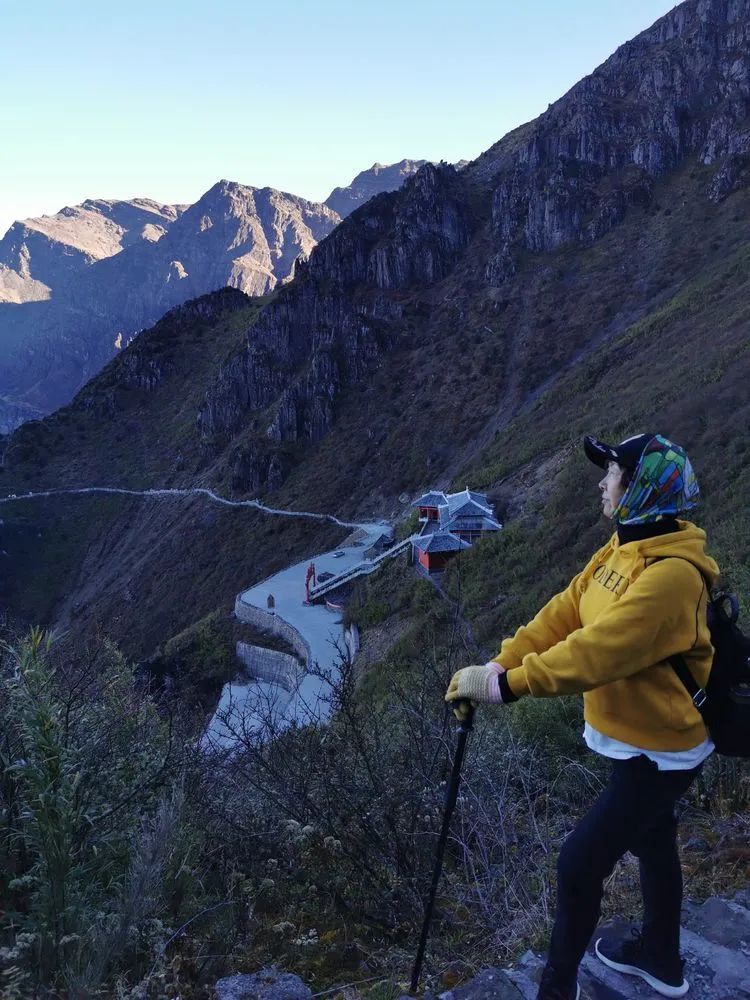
[466,508]
[470,527]
[457,500]
[429,504]
[440,541]
[434,549]
[431,499]
[465,516]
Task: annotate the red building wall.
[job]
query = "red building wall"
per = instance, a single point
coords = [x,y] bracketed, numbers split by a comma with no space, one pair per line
[432,561]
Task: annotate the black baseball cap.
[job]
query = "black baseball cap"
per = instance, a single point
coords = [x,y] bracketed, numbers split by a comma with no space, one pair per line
[627,453]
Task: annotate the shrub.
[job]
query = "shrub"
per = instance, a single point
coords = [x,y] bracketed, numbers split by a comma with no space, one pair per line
[86,765]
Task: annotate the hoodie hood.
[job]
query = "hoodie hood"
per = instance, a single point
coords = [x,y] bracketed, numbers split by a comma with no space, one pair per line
[688,542]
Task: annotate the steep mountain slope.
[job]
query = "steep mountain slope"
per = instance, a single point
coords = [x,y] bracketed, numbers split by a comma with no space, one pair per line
[38,255]
[590,272]
[133,425]
[565,181]
[76,286]
[234,235]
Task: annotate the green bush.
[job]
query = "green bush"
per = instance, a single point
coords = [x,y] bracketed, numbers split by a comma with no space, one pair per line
[86,769]
[407,527]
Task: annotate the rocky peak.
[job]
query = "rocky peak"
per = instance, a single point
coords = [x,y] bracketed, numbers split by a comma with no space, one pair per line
[129,213]
[679,89]
[234,236]
[130,262]
[246,237]
[323,335]
[378,179]
[39,255]
[659,97]
[231,200]
[225,195]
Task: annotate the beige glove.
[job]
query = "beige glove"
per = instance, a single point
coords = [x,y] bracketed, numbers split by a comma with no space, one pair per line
[477,684]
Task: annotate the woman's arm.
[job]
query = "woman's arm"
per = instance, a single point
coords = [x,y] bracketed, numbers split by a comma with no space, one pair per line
[656,618]
[557,619]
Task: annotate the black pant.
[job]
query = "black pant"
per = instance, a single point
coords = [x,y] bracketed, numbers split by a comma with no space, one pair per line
[635,813]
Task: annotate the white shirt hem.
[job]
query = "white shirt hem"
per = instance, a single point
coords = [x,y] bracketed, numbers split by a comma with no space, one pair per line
[666,760]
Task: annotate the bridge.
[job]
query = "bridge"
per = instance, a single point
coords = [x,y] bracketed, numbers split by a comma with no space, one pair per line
[360,569]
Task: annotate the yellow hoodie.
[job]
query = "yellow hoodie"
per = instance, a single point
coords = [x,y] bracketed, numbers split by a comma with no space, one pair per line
[610,633]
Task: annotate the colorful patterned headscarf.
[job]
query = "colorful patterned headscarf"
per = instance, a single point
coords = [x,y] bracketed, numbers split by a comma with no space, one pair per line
[663,485]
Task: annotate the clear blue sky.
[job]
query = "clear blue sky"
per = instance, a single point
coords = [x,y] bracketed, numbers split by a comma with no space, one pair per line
[163,98]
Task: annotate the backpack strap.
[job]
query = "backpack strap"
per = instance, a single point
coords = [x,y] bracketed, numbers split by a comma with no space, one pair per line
[678,662]
[696,692]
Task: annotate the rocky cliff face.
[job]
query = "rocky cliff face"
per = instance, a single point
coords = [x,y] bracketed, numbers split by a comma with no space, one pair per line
[38,256]
[326,331]
[678,92]
[473,323]
[89,278]
[233,236]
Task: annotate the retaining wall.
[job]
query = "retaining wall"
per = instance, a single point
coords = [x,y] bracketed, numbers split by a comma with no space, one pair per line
[269,665]
[351,636]
[272,623]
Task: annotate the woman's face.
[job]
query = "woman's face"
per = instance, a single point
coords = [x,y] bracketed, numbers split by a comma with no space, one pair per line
[612,489]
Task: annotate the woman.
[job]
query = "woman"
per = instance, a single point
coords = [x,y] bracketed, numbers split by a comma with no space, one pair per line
[640,600]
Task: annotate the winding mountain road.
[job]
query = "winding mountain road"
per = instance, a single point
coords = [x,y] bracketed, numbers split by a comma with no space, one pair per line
[321,631]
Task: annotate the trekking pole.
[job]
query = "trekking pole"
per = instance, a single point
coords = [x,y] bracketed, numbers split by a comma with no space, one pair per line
[450,801]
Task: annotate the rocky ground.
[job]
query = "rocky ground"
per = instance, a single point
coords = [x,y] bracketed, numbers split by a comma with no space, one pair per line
[715,942]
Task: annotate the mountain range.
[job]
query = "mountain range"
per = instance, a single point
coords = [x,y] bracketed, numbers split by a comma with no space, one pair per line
[587,273]
[75,287]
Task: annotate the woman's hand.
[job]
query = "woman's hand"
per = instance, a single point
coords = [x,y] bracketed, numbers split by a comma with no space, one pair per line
[477,684]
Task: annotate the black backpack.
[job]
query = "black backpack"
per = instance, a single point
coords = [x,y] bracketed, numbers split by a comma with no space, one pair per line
[725,702]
